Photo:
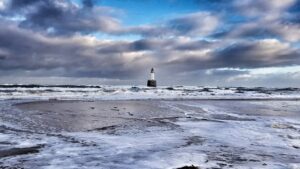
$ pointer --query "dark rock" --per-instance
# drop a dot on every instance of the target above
(115, 109)
(285, 89)
(105, 128)
(130, 114)
(20, 151)
(206, 90)
(254, 160)
(135, 89)
(109, 90)
(189, 167)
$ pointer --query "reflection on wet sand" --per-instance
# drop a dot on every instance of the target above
(151, 134)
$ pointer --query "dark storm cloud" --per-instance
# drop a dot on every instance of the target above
(250, 31)
(257, 54)
(2, 57)
(58, 17)
(159, 46)
(247, 54)
(262, 30)
(139, 45)
(145, 44)
(71, 56)
(28, 51)
(17, 4)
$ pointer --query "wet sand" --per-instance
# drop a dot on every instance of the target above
(74, 116)
(152, 134)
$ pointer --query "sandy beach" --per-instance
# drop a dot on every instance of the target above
(150, 134)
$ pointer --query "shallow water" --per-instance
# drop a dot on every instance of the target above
(150, 134)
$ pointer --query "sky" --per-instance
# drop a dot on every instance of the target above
(117, 42)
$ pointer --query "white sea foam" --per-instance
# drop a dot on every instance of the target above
(141, 92)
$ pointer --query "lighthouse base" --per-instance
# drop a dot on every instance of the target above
(151, 83)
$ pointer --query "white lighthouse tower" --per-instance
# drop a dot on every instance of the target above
(152, 81)
(152, 76)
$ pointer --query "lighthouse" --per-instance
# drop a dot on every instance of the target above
(151, 82)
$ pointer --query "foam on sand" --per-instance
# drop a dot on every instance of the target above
(151, 134)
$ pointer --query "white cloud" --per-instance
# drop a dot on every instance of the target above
(3, 4)
(272, 48)
(201, 23)
(263, 74)
(266, 9)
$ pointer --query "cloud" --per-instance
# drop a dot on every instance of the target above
(227, 72)
(77, 56)
(63, 17)
(85, 56)
(258, 53)
(273, 76)
(259, 8)
(3, 4)
(15, 4)
(55, 38)
(262, 29)
(263, 20)
(243, 54)
(194, 25)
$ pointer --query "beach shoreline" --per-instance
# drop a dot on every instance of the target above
(155, 133)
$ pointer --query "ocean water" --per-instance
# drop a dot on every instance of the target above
(71, 92)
